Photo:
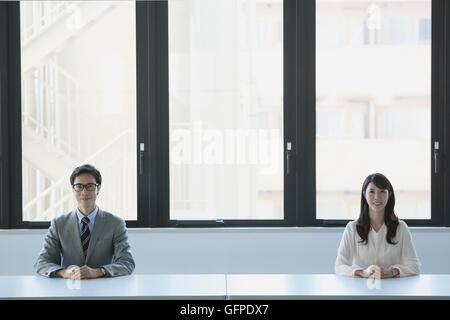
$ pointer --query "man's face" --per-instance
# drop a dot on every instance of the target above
(85, 198)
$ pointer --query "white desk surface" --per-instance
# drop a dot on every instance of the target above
(330, 286)
(221, 287)
(207, 286)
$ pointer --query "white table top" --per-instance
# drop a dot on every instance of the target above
(330, 286)
(207, 286)
(221, 287)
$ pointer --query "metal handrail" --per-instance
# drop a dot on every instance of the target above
(65, 178)
(44, 128)
(46, 20)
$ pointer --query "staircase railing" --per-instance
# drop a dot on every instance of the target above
(113, 162)
(48, 110)
(37, 16)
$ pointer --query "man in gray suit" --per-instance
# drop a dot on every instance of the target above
(87, 242)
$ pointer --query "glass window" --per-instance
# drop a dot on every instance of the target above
(78, 103)
(226, 109)
(425, 31)
(400, 31)
(373, 109)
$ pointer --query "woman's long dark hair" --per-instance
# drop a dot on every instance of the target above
(390, 219)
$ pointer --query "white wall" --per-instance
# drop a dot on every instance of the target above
(260, 250)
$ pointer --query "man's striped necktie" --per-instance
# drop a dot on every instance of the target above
(85, 235)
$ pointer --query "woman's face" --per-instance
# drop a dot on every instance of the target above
(376, 198)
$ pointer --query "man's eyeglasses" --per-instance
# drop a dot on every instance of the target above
(89, 187)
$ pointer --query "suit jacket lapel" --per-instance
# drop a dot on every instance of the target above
(96, 233)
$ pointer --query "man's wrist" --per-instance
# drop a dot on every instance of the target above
(60, 273)
(102, 272)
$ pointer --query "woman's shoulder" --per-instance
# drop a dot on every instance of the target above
(351, 225)
(402, 226)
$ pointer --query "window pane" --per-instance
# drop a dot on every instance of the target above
(373, 104)
(226, 109)
(78, 103)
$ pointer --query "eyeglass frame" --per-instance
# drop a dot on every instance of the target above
(85, 186)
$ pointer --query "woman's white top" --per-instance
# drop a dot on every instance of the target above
(353, 255)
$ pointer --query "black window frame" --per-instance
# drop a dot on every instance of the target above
(153, 120)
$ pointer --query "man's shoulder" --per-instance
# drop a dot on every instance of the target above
(64, 217)
(108, 216)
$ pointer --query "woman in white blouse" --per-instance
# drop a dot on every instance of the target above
(377, 244)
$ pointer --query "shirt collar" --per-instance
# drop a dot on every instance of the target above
(91, 216)
(380, 231)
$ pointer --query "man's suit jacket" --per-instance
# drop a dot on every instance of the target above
(108, 246)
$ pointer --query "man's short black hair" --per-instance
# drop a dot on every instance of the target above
(86, 168)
